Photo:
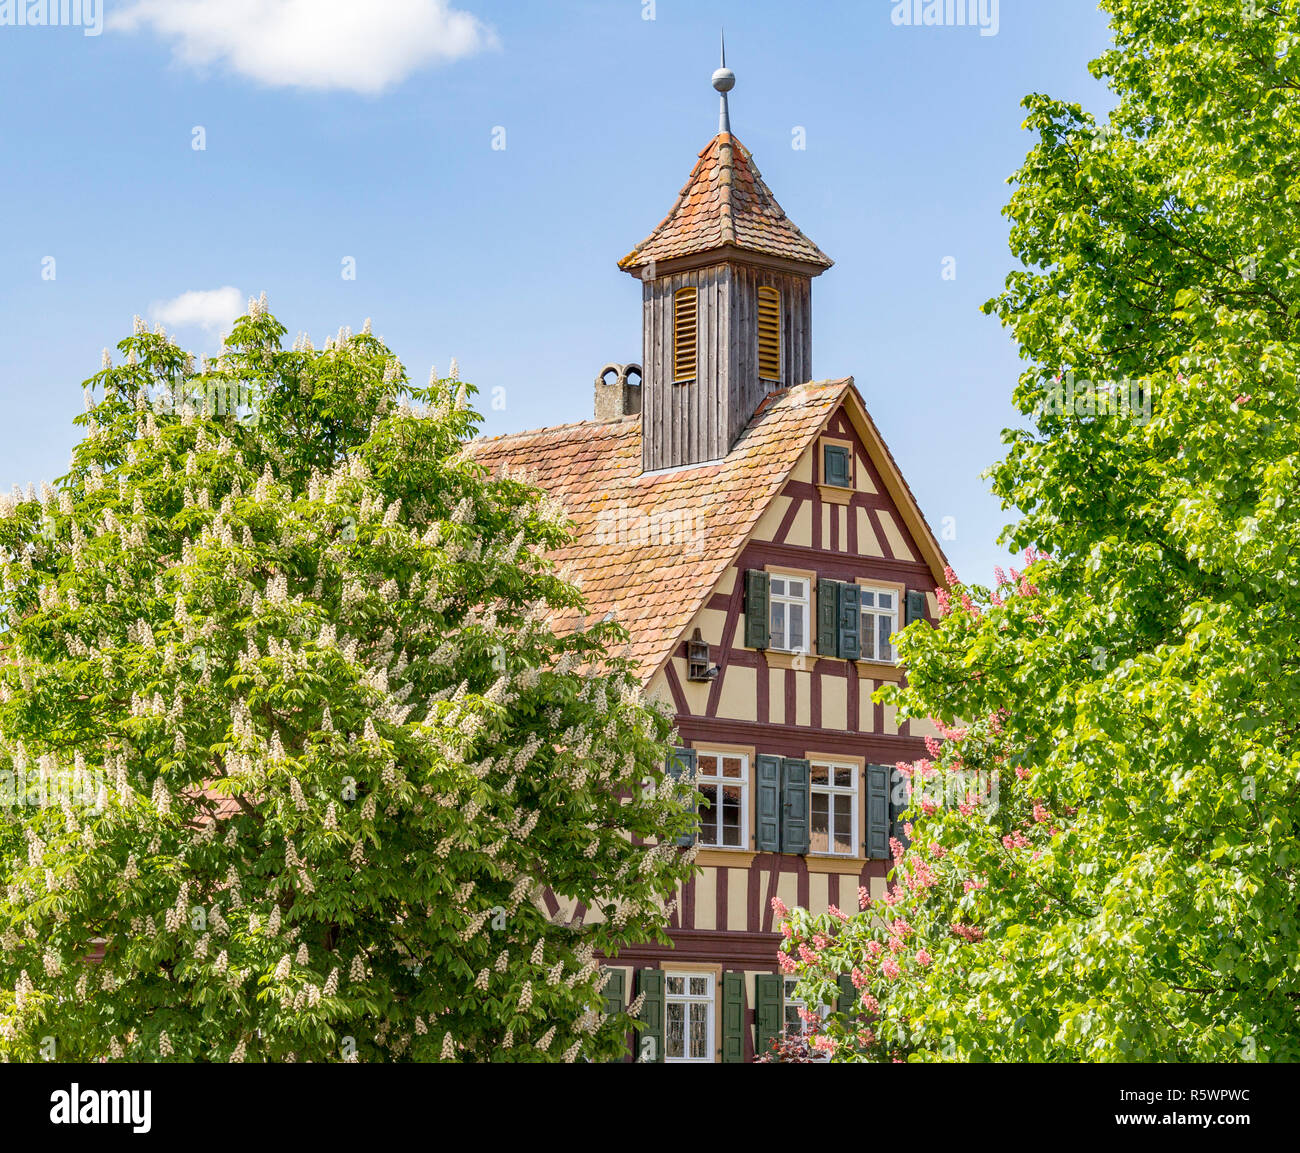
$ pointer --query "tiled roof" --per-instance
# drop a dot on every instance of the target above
(725, 202)
(652, 546)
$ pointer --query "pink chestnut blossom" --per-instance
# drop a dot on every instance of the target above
(923, 958)
(889, 968)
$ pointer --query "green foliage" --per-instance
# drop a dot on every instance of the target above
(1132, 895)
(309, 749)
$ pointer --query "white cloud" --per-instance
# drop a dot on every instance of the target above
(359, 45)
(212, 310)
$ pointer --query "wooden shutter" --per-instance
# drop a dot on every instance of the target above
(878, 812)
(844, 1002)
(769, 1011)
(900, 800)
(650, 1037)
(795, 790)
(769, 334)
(733, 1018)
(682, 761)
(828, 607)
(767, 833)
(849, 628)
(915, 606)
(685, 330)
(756, 609)
(613, 992)
(614, 1000)
(835, 465)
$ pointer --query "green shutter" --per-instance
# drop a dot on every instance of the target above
(613, 999)
(733, 1018)
(844, 1002)
(878, 812)
(900, 800)
(827, 614)
(756, 609)
(683, 761)
(915, 607)
(795, 773)
(850, 622)
(767, 835)
(650, 1037)
(835, 465)
(769, 1011)
(613, 992)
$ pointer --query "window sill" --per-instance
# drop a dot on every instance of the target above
(818, 863)
(780, 659)
(725, 858)
(879, 670)
(835, 494)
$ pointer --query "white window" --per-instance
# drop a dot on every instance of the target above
(833, 821)
(789, 631)
(796, 1028)
(688, 1017)
(723, 779)
(879, 623)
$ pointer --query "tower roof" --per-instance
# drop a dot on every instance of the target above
(725, 204)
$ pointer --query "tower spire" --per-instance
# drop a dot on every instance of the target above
(724, 80)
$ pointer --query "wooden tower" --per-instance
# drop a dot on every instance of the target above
(727, 305)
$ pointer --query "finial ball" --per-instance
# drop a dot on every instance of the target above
(724, 80)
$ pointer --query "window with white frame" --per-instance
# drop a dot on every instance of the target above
(796, 1028)
(833, 809)
(789, 608)
(723, 779)
(879, 623)
(688, 1017)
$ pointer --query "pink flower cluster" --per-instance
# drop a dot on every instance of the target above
(834, 911)
(786, 962)
(967, 932)
(889, 968)
(780, 909)
(1041, 814)
(807, 956)
(864, 898)
(923, 958)
(1016, 840)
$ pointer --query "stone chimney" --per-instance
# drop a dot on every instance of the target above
(620, 397)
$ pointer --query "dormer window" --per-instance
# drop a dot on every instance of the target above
(769, 334)
(685, 330)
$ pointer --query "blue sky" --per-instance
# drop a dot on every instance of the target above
(336, 129)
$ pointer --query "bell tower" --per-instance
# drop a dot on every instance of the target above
(726, 304)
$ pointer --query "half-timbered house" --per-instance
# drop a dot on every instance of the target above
(752, 530)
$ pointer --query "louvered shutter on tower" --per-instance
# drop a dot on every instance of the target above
(769, 334)
(685, 330)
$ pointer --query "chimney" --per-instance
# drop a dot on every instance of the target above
(620, 398)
